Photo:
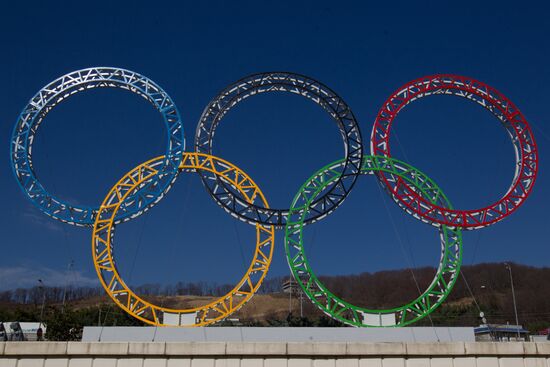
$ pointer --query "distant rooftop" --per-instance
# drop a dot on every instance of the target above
(503, 328)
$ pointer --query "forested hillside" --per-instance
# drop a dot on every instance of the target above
(481, 287)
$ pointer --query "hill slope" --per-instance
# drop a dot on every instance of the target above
(483, 287)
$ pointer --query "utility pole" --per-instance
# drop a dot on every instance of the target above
(301, 306)
(290, 296)
(43, 301)
(507, 265)
(69, 267)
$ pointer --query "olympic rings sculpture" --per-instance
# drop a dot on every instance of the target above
(235, 192)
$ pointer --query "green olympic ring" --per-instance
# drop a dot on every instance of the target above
(427, 302)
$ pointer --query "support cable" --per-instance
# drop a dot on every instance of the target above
(399, 240)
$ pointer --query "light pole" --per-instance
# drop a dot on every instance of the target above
(507, 265)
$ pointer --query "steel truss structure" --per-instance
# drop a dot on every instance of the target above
(502, 108)
(334, 306)
(302, 86)
(59, 90)
(236, 192)
(125, 298)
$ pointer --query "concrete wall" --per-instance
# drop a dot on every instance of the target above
(278, 334)
(238, 354)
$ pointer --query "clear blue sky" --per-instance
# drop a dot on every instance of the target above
(364, 50)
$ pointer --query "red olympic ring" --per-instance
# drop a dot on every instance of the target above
(492, 100)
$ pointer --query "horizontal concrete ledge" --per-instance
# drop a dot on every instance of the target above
(278, 334)
(289, 350)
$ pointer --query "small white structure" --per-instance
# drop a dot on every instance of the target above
(29, 329)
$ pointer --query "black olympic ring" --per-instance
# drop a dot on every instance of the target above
(230, 199)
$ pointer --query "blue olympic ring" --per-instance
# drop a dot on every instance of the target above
(60, 89)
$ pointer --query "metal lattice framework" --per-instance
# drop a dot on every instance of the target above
(125, 298)
(57, 91)
(502, 108)
(302, 86)
(335, 307)
(237, 193)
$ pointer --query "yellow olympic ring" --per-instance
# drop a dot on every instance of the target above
(102, 246)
